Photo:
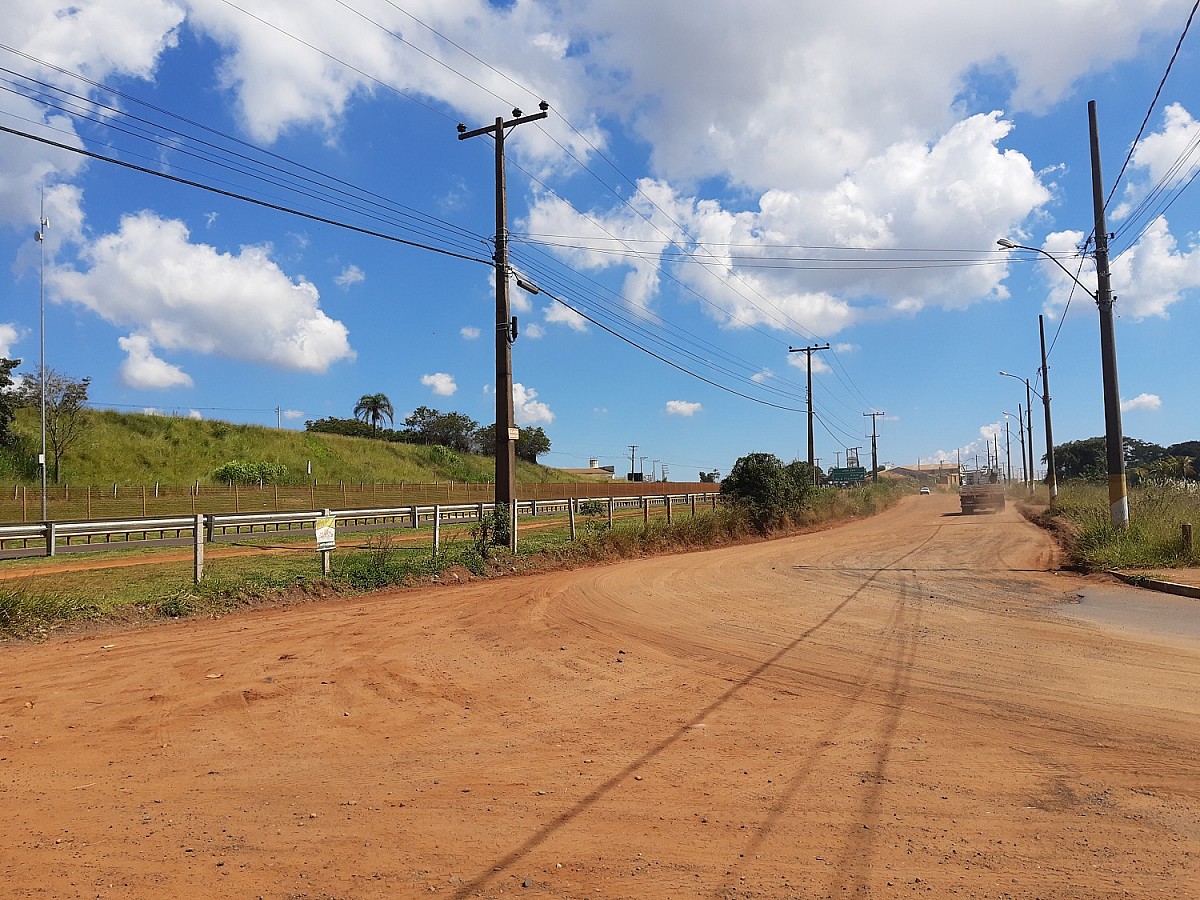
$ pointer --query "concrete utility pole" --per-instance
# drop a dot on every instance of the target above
(1029, 430)
(506, 430)
(808, 352)
(40, 236)
(1114, 440)
(1051, 477)
(874, 449)
(1021, 435)
(1008, 449)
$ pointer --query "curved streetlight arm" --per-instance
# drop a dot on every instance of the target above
(1012, 245)
(1032, 389)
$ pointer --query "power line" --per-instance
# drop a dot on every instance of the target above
(245, 199)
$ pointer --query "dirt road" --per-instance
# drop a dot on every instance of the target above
(893, 708)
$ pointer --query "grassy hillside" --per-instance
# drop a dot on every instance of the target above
(137, 449)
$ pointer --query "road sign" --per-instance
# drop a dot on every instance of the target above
(851, 475)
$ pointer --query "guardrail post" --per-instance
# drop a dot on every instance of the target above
(437, 528)
(50, 538)
(533, 508)
(610, 513)
(415, 517)
(692, 501)
(645, 510)
(667, 500)
(479, 515)
(198, 532)
(211, 530)
(571, 517)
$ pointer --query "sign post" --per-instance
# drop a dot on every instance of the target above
(326, 540)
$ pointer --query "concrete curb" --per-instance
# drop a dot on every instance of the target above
(1154, 584)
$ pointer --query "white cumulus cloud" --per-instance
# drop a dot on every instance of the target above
(527, 409)
(143, 370)
(185, 296)
(469, 332)
(1142, 401)
(9, 335)
(682, 408)
(440, 383)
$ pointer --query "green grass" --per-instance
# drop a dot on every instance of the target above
(1153, 539)
(163, 589)
(138, 449)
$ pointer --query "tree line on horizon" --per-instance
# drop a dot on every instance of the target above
(425, 425)
(1087, 460)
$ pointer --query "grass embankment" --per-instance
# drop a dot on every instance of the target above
(52, 600)
(1153, 539)
(138, 449)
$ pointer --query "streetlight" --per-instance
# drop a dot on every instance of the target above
(1028, 424)
(1020, 437)
(1118, 498)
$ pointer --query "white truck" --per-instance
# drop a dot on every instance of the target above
(981, 491)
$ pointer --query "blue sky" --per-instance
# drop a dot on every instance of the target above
(716, 183)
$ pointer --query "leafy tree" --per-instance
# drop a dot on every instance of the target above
(764, 488)
(66, 409)
(531, 442)
(453, 430)
(9, 401)
(1142, 453)
(374, 408)
(710, 477)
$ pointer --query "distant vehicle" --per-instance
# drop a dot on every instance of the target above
(924, 490)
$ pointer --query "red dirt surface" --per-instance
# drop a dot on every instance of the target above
(891, 708)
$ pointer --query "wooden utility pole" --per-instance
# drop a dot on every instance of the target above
(808, 352)
(506, 430)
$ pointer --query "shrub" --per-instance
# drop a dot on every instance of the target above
(251, 473)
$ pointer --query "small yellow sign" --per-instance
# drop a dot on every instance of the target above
(325, 532)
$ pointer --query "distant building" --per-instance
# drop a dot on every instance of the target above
(927, 473)
(594, 471)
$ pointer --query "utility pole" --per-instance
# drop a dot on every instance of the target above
(1008, 449)
(808, 352)
(1114, 441)
(632, 460)
(1029, 429)
(506, 430)
(1021, 435)
(838, 453)
(874, 449)
(1051, 477)
(43, 225)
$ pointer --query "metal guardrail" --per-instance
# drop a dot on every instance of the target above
(49, 538)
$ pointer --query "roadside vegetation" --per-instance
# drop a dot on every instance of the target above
(1158, 508)
(48, 601)
(139, 449)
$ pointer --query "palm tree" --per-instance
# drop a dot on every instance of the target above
(374, 408)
